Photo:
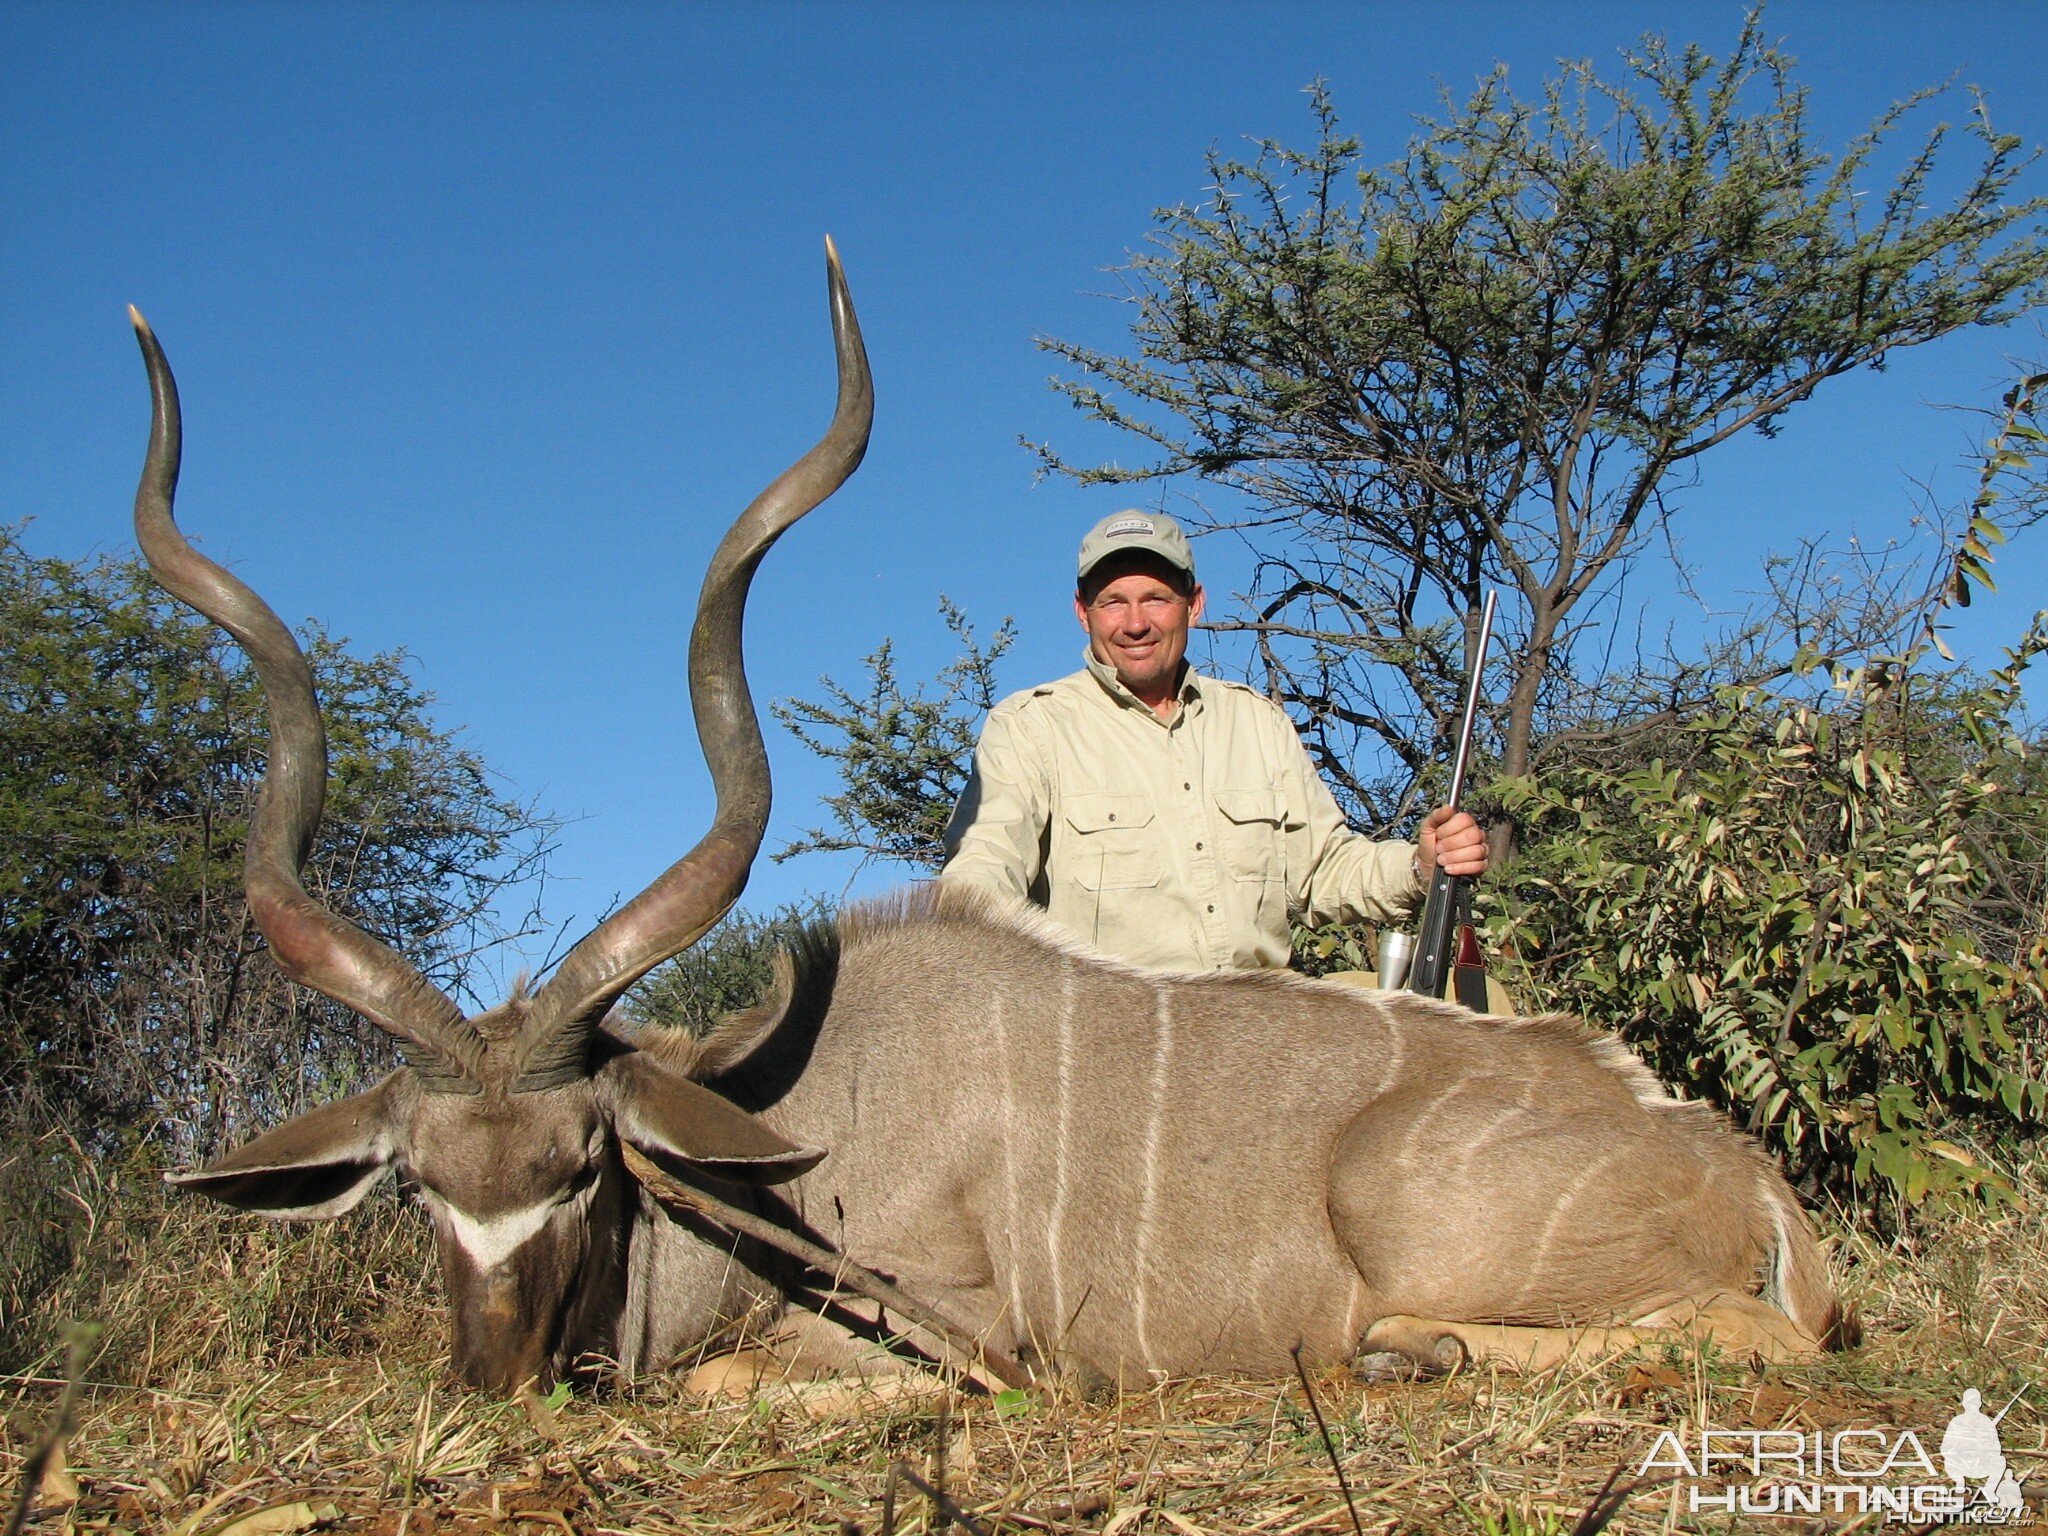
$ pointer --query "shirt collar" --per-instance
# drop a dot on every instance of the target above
(1190, 685)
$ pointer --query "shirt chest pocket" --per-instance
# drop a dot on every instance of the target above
(1249, 833)
(1112, 844)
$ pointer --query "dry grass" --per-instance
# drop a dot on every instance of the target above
(253, 1378)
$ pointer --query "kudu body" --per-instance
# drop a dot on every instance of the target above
(1080, 1162)
(1143, 1173)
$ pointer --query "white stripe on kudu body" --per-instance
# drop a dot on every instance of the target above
(1013, 1203)
(1420, 1136)
(1148, 1200)
(1560, 1213)
(1061, 1149)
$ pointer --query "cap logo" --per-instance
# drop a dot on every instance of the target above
(1124, 526)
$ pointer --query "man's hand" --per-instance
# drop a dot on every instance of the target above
(1455, 840)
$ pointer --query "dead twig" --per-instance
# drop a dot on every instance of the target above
(1329, 1444)
(941, 1500)
(38, 1461)
(1058, 1517)
(1606, 1504)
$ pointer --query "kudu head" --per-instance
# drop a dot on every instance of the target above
(510, 1121)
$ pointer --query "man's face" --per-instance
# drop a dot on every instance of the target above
(1137, 617)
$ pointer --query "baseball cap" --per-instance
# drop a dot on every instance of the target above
(1153, 532)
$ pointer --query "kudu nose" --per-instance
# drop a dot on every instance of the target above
(498, 1346)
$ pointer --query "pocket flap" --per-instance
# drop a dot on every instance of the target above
(1249, 805)
(1099, 813)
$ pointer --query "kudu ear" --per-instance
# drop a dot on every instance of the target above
(675, 1121)
(315, 1165)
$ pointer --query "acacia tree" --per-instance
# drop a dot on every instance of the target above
(1493, 359)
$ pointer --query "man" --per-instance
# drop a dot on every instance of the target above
(1168, 818)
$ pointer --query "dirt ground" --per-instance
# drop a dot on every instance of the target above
(252, 1379)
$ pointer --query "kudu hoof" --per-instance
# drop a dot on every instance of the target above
(1383, 1367)
(1407, 1349)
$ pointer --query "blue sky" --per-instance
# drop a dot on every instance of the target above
(488, 317)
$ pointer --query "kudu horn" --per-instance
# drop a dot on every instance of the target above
(311, 945)
(673, 913)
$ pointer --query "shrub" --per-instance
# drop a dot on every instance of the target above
(1822, 914)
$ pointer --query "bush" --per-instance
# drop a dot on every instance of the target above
(1822, 915)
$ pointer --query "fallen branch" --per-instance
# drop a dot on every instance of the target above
(942, 1502)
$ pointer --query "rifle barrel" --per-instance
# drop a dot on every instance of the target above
(1471, 711)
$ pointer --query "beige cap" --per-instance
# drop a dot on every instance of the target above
(1153, 532)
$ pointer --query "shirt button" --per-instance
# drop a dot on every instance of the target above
(1212, 906)
(1198, 847)
(1187, 786)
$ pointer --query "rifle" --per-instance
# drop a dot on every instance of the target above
(1434, 955)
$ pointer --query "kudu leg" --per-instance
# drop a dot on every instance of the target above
(761, 1373)
(1735, 1324)
(1479, 1198)
(827, 1370)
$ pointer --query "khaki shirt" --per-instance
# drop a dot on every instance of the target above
(1178, 844)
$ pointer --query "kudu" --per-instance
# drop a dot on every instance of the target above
(1083, 1164)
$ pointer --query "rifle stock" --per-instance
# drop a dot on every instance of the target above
(1426, 972)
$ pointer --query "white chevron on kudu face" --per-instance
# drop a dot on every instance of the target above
(490, 1240)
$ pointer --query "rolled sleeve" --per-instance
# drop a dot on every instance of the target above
(1347, 877)
(996, 838)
